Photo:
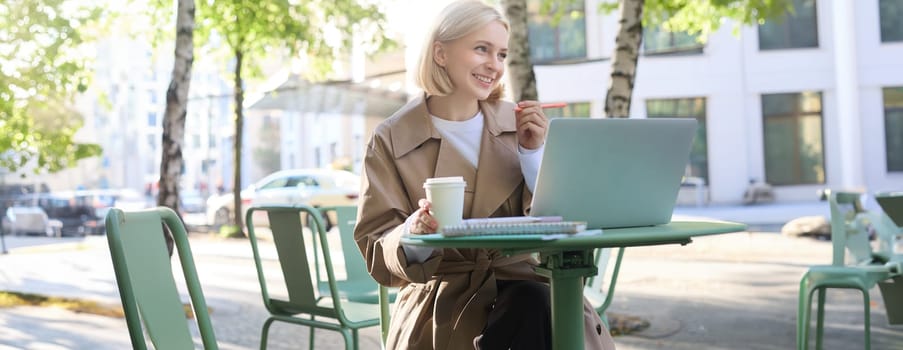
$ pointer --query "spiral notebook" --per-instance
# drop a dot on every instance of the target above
(518, 225)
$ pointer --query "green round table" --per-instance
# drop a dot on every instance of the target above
(567, 261)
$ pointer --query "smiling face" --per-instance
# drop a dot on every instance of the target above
(475, 62)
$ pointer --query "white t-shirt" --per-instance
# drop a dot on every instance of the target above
(466, 135)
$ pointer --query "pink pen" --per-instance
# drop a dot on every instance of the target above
(545, 105)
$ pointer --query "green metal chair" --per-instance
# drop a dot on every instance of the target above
(146, 283)
(305, 301)
(358, 285)
(849, 232)
(892, 204)
(599, 294)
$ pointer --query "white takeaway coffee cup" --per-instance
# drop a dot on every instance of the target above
(446, 194)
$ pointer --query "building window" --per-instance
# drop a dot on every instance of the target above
(794, 152)
(891, 13)
(797, 29)
(572, 110)
(563, 40)
(687, 108)
(318, 157)
(207, 166)
(151, 119)
(152, 141)
(893, 128)
(153, 96)
(659, 41)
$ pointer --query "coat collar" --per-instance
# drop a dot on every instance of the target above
(413, 126)
(498, 174)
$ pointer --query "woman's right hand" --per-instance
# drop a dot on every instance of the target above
(421, 221)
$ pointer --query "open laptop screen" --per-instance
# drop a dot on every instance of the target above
(613, 172)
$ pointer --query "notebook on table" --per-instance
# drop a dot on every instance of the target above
(613, 173)
(518, 225)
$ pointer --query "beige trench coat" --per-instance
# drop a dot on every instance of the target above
(444, 301)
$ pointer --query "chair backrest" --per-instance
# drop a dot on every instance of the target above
(596, 290)
(295, 258)
(886, 232)
(852, 227)
(146, 283)
(355, 266)
(602, 256)
(849, 228)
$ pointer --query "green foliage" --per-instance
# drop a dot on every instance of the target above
(319, 30)
(43, 64)
(230, 231)
(703, 17)
(9, 299)
(314, 31)
(560, 8)
(45, 136)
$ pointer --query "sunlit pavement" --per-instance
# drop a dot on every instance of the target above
(81, 268)
(733, 291)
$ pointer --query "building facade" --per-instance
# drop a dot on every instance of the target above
(123, 113)
(810, 102)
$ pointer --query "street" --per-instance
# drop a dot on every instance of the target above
(733, 291)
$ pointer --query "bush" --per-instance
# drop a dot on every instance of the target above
(230, 231)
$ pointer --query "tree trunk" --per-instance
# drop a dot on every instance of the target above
(520, 68)
(624, 59)
(171, 162)
(239, 126)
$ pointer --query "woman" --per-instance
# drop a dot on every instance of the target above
(459, 298)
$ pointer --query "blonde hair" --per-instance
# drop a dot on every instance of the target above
(457, 20)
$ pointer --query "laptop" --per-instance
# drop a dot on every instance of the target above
(613, 172)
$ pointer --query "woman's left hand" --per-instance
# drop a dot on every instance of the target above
(532, 124)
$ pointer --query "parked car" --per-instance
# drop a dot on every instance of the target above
(102, 201)
(192, 208)
(67, 208)
(21, 220)
(191, 202)
(315, 187)
(82, 212)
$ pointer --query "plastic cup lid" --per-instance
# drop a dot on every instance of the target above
(451, 180)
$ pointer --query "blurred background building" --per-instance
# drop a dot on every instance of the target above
(808, 102)
(813, 101)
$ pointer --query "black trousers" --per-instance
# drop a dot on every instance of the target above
(520, 318)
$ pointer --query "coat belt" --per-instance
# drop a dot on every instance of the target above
(473, 299)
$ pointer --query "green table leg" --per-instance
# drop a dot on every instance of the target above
(566, 271)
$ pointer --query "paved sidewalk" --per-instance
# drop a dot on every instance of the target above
(765, 217)
(734, 291)
(84, 270)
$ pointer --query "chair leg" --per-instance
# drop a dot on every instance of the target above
(346, 335)
(868, 330)
(264, 333)
(802, 314)
(357, 343)
(312, 329)
(820, 318)
(804, 337)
